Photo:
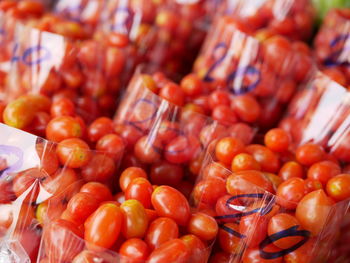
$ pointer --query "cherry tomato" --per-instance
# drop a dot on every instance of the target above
(112, 145)
(277, 140)
(62, 107)
(208, 191)
(224, 114)
(323, 171)
(81, 206)
(254, 228)
(97, 190)
(246, 107)
(135, 220)
(140, 189)
(73, 153)
(281, 222)
(248, 182)
(338, 187)
(169, 202)
(173, 93)
(160, 231)
(227, 148)
(174, 250)
(63, 127)
(313, 210)
(128, 175)
(309, 153)
(203, 226)
(63, 240)
(166, 173)
(181, 149)
(244, 162)
(97, 235)
(48, 157)
(100, 168)
(302, 254)
(148, 151)
(191, 85)
(219, 97)
(290, 192)
(291, 169)
(133, 250)
(252, 255)
(99, 128)
(198, 251)
(229, 239)
(267, 159)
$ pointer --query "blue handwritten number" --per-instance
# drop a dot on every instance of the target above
(242, 72)
(332, 59)
(289, 232)
(27, 54)
(208, 77)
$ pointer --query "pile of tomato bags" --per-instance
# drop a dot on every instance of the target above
(187, 131)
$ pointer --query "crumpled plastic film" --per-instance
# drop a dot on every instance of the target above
(265, 72)
(35, 172)
(244, 211)
(332, 46)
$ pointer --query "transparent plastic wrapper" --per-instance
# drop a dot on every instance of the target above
(160, 133)
(259, 75)
(319, 113)
(332, 46)
(291, 18)
(257, 225)
(88, 72)
(33, 171)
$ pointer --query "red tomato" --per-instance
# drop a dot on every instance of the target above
(97, 235)
(97, 190)
(247, 108)
(248, 182)
(48, 158)
(254, 228)
(63, 240)
(192, 85)
(169, 202)
(173, 93)
(166, 173)
(338, 187)
(135, 220)
(323, 171)
(265, 157)
(73, 153)
(203, 226)
(112, 145)
(309, 154)
(133, 250)
(63, 127)
(208, 191)
(199, 253)
(174, 250)
(244, 162)
(291, 169)
(99, 128)
(281, 222)
(140, 189)
(229, 239)
(313, 210)
(148, 151)
(128, 175)
(160, 231)
(100, 168)
(290, 192)
(62, 107)
(252, 255)
(227, 148)
(81, 206)
(304, 254)
(277, 140)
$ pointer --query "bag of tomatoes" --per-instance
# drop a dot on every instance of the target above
(35, 171)
(162, 134)
(332, 46)
(258, 72)
(272, 204)
(88, 72)
(141, 222)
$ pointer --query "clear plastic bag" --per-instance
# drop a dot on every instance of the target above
(253, 221)
(158, 130)
(332, 46)
(291, 18)
(90, 73)
(35, 172)
(266, 71)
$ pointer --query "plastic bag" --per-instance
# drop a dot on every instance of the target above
(90, 72)
(159, 132)
(265, 73)
(256, 224)
(34, 171)
(332, 46)
(291, 18)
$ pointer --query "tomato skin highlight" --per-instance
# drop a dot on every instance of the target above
(172, 251)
